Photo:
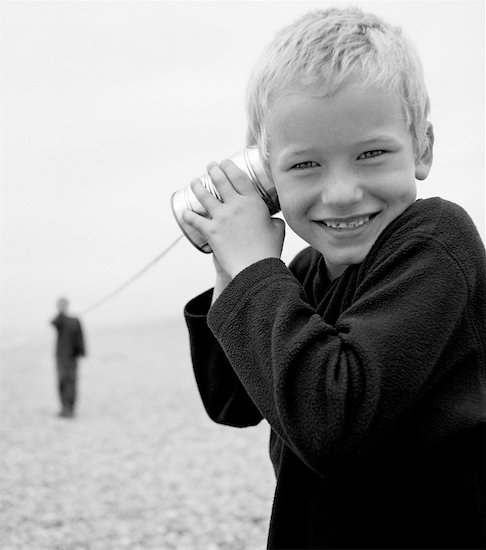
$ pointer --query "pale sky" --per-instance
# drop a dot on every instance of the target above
(107, 108)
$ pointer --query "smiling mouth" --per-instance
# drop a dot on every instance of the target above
(348, 224)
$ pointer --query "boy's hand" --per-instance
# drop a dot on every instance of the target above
(239, 229)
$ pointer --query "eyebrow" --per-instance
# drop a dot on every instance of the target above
(373, 139)
(289, 153)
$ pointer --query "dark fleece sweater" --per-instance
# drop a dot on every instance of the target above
(373, 384)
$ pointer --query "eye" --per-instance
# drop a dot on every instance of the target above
(304, 165)
(371, 154)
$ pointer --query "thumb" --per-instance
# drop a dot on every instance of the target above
(279, 227)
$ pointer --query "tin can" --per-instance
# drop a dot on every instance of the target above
(249, 161)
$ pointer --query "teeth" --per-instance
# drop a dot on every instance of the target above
(352, 224)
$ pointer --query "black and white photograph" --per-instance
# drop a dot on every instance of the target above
(243, 275)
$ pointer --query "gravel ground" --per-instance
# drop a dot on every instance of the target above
(140, 467)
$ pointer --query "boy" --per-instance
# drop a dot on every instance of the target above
(366, 356)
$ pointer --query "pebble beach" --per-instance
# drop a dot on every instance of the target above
(140, 467)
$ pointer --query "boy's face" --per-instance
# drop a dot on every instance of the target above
(344, 168)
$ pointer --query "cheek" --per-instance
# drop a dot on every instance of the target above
(295, 211)
(395, 185)
(405, 190)
(291, 201)
(297, 201)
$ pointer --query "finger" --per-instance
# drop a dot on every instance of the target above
(207, 200)
(223, 185)
(240, 180)
(196, 221)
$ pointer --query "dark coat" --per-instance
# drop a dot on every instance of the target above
(70, 339)
(373, 385)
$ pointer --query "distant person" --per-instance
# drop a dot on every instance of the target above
(70, 346)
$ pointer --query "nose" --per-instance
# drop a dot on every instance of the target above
(341, 188)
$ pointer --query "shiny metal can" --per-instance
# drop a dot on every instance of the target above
(249, 161)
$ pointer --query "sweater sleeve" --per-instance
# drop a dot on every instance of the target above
(224, 397)
(334, 390)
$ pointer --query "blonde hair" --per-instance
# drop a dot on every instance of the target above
(324, 47)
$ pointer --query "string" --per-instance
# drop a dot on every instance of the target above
(133, 278)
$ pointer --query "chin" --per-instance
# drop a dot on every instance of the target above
(345, 260)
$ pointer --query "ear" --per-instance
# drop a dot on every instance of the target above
(424, 163)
